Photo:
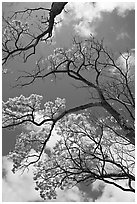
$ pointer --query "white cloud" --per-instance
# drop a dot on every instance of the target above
(97, 185)
(121, 7)
(53, 139)
(70, 195)
(83, 28)
(126, 62)
(54, 136)
(18, 187)
(130, 67)
(114, 194)
(89, 14)
(122, 35)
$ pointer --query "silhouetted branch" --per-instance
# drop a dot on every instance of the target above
(8, 51)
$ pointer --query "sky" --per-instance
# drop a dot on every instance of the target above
(113, 21)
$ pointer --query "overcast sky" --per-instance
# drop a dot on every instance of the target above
(113, 21)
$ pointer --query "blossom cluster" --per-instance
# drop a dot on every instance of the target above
(80, 154)
(87, 149)
(14, 29)
(20, 108)
(52, 109)
(71, 156)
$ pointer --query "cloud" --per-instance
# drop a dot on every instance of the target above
(84, 28)
(17, 187)
(121, 7)
(126, 62)
(70, 195)
(121, 61)
(88, 14)
(124, 7)
(39, 129)
(122, 36)
(113, 194)
(20, 187)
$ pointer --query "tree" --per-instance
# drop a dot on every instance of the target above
(92, 146)
(20, 37)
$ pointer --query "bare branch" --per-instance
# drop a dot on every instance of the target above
(56, 9)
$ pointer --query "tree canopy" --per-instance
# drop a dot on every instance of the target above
(96, 139)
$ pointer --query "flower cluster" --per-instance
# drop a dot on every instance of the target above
(70, 160)
(20, 108)
(80, 154)
(52, 109)
(22, 103)
(25, 143)
(88, 149)
(14, 29)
